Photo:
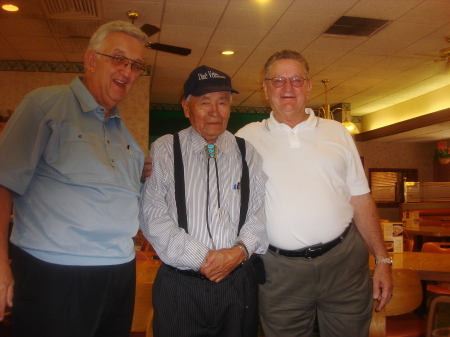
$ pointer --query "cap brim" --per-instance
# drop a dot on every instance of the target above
(207, 90)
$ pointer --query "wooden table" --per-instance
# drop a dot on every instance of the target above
(437, 231)
(429, 266)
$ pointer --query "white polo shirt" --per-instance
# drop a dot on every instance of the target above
(314, 169)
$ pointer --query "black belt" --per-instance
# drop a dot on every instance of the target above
(188, 272)
(312, 251)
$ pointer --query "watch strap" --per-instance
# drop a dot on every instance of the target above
(387, 260)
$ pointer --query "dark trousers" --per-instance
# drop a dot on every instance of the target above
(53, 300)
(186, 306)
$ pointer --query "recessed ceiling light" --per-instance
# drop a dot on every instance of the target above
(228, 52)
(10, 8)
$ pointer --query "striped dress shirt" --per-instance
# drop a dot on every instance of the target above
(158, 216)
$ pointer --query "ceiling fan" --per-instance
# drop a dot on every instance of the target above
(150, 30)
(444, 56)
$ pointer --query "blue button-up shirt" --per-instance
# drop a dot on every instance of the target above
(75, 177)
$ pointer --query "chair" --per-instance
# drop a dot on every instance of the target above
(146, 245)
(435, 310)
(147, 256)
(143, 309)
(408, 245)
(437, 247)
(407, 296)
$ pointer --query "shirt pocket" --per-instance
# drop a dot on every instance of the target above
(81, 152)
(133, 169)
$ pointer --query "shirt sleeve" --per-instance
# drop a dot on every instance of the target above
(253, 232)
(22, 144)
(356, 178)
(173, 245)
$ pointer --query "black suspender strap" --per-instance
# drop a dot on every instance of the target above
(245, 184)
(180, 196)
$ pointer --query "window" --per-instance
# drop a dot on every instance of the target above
(387, 184)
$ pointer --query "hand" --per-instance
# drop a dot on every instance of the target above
(147, 171)
(219, 263)
(6, 288)
(382, 284)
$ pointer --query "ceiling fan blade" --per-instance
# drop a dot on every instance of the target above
(429, 55)
(421, 65)
(150, 30)
(168, 49)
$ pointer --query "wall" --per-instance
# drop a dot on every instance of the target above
(135, 108)
(397, 155)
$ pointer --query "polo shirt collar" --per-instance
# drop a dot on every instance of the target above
(198, 142)
(86, 100)
(312, 121)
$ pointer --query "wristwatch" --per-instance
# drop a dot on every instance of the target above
(244, 249)
(387, 260)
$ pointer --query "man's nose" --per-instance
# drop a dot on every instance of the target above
(288, 86)
(126, 70)
(214, 110)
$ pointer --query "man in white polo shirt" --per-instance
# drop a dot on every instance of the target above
(317, 260)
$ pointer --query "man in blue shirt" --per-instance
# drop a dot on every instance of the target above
(73, 171)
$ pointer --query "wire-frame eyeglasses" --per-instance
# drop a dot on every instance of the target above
(278, 82)
(120, 60)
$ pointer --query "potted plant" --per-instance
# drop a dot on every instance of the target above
(442, 154)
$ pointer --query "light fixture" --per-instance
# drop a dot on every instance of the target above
(227, 52)
(352, 128)
(10, 8)
(324, 112)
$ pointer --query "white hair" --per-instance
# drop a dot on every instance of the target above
(96, 41)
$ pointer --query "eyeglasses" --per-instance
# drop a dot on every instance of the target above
(119, 60)
(279, 82)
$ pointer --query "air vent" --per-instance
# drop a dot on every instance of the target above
(353, 26)
(72, 9)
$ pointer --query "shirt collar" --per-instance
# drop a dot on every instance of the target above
(87, 101)
(312, 121)
(198, 142)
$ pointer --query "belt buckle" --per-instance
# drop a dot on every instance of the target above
(313, 251)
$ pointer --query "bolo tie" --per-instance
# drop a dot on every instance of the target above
(211, 153)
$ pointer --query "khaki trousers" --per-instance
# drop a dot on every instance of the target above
(336, 285)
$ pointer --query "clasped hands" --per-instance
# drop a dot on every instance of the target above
(219, 263)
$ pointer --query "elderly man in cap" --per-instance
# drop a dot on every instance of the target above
(203, 211)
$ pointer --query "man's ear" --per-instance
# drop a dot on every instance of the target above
(265, 89)
(185, 105)
(90, 60)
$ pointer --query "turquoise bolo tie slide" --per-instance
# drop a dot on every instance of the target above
(211, 151)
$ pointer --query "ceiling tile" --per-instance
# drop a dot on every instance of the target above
(234, 37)
(323, 7)
(429, 13)
(25, 27)
(241, 18)
(185, 35)
(383, 9)
(192, 15)
(33, 43)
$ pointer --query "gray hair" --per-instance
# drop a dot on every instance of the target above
(285, 55)
(96, 41)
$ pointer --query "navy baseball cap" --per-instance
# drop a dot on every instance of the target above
(204, 80)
